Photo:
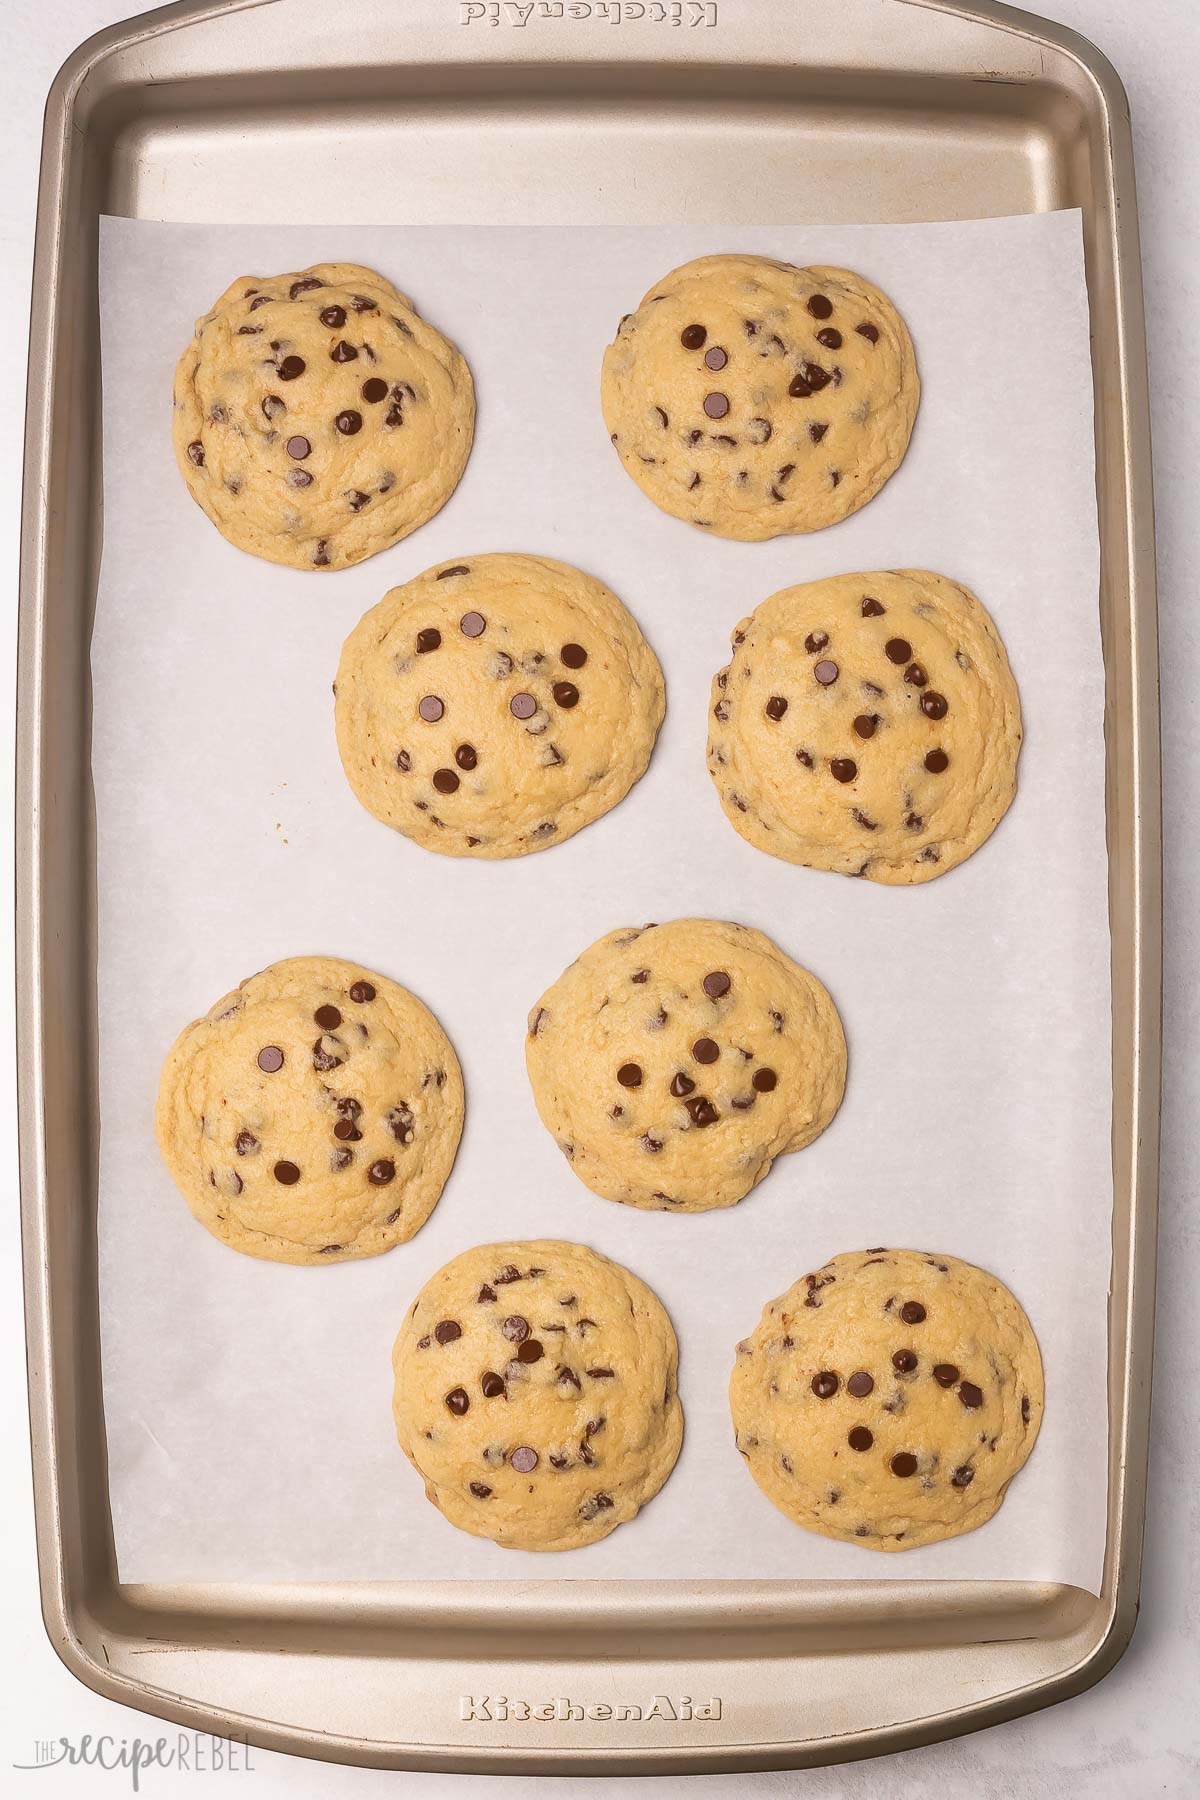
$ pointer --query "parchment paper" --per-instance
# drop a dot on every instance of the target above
(248, 1405)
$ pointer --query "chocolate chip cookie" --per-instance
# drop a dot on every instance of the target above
(673, 1063)
(536, 1394)
(318, 418)
(889, 1398)
(867, 724)
(313, 1114)
(755, 399)
(496, 705)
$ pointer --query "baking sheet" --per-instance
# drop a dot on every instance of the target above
(248, 1405)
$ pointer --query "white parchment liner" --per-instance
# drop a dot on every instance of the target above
(248, 1405)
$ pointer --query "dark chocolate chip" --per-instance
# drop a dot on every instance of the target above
(820, 306)
(333, 316)
(825, 1384)
(524, 1459)
(871, 608)
(903, 1463)
(865, 725)
(348, 422)
(706, 1050)
(826, 671)
(915, 675)
(716, 405)
(716, 983)
(522, 706)
(458, 1401)
(445, 781)
(327, 1017)
(692, 337)
(466, 758)
(937, 762)
(830, 337)
(859, 1438)
(290, 367)
(381, 1172)
(431, 709)
(374, 390)
(447, 1331)
(566, 694)
(530, 1351)
(573, 655)
(869, 332)
(287, 1173)
(970, 1395)
(963, 1476)
(945, 1374)
(843, 768)
(195, 452)
(270, 1059)
(246, 1143)
(897, 650)
(904, 1361)
(515, 1328)
(912, 1312)
(492, 1385)
(361, 992)
(630, 1075)
(934, 705)
(860, 1384)
(681, 1085)
(763, 1081)
(429, 639)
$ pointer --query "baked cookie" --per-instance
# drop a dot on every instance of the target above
(496, 705)
(318, 418)
(888, 1399)
(313, 1114)
(674, 1063)
(755, 399)
(536, 1394)
(868, 724)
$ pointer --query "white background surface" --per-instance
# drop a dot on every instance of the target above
(1137, 1733)
(1003, 1083)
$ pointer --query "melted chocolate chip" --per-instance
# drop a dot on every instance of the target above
(524, 1459)
(869, 332)
(681, 1085)
(860, 1384)
(195, 452)
(865, 725)
(445, 781)
(937, 762)
(970, 1395)
(348, 422)
(573, 655)
(820, 306)
(962, 1477)
(776, 707)
(630, 1075)
(530, 1351)
(825, 1384)
(871, 608)
(912, 1312)
(522, 706)
(915, 675)
(374, 390)
(246, 1143)
(515, 1328)
(692, 337)
(897, 650)
(381, 1172)
(327, 1017)
(270, 1059)
(843, 768)
(705, 1050)
(717, 983)
(826, 672)
(859, 1438)
(431, 709)
(566, 694)
(492, 1385)
(287, 1173)
(447, 1331)
(763, 1081)
(903, 1463)
(701, 1110)
(290, 368)
(904, 1361)
(361, 992)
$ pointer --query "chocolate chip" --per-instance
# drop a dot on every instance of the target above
(937, 762)
(817, 432)
(970, 1395)
(327, 1017)
(361, 304)
(361, 992)
(717, 983)
(246, 1143)
(860, 1384)
(573, 655)
(323, 1059)
(472, 624)
(458, 1401)
(270, 1059)
(915, 675)
(871, 608)
(522, 706)
(530, 1351)
(962, 1477)
(826, 672)
(524, 1459)
(816, 640)
(481, 1490)
(348, 422)
(820, 306)
(904, 1361)
(692, 337)
(290, 367)
(831, 338)
(299, 478)
(897, 650)
(701, 1110)
(431, 709)
(374, 390)
(912, 1312)
(814, 375)
(403, 761)
(934, 705)
(865, 725)
(381, 1172)
(287, 1173)
(333, 316)
(566, 694)
(869, 332)
(715, 358)
(799, 389)
(859, 1438)
(903, 1463)
(447, 1331)
(343, 352)
(776, 707)
(945, 1374)
(321, 553)
(681, 1085)
(466, 758)
(705, 1050)
(492, 1385)
(630, 1075)
(303, 286)
(763, 1081)
(347, 1131)
(445, 781)
(195, 452)
(716, 405)
(825, 1384)
(843, 768)
(599, 1374)
(515, 1328)
(429, 639)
